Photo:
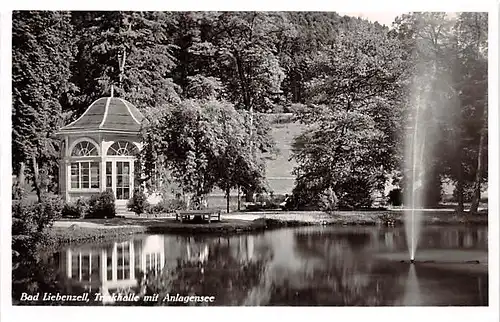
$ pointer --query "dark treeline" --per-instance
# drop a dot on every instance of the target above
(350, 80)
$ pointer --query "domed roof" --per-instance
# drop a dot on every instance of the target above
(108, 114)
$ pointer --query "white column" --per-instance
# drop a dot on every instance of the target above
(131, 177)
(250, 246)
(162, 258)
(90, 266)
(67, 164)
(143, 259)
(68, 263)
(114, 268)
(79, 266)
(113, 177)
(104, 268)
(102, 173)
(67, 167)
(132, 261)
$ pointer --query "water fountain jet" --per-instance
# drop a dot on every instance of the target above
(416, 150)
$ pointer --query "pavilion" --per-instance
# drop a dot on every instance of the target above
(98, 151)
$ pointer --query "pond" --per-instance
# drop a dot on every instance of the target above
(329, 266)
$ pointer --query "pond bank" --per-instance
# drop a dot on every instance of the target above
(82, 230)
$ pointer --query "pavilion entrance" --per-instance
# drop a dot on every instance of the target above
(120, 170)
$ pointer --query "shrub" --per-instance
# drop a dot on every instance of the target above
(71, 210)
(329, 200)
(354, 193)
(311, 195)
(395, 197)
(432, 192)
(139, 202)
(167, 206)
(30, 221)
(102, 205)
(305, 196)
(77, 209)
(266, 202)
(468, 193)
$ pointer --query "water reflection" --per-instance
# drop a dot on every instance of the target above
(301, 266)
(412, 289)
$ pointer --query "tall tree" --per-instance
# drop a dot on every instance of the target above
(204, 143)
(434, 107)
(354, 109)
(41, 56)
(237, 166)
(472, 29)
(132, 51)
(239, 50)
(304, 34)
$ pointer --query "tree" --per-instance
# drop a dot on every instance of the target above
(300, 39)
(238, 48)
(132, 51)
(41, 55)
(203, 144)
(472, 31)
(238, 167)
(354, 122)
(450, 75)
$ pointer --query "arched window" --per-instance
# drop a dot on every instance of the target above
(123, 148)
(84, 149)
(85, 174)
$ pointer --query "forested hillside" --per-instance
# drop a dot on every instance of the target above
(351, 83)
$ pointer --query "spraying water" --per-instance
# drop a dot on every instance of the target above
(416, 156)
(414, 187)
(419, 152)
(412, 218)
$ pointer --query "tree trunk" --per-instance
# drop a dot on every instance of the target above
(239, 202)
(249, 196)
(460, 183)
(243, 81)
(460, 194)
(19, 186)
(36, 182)
(228, 195)
(479, 172)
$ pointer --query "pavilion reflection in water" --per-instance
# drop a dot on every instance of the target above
(110, 268)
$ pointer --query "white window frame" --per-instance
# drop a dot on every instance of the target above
(80, 162)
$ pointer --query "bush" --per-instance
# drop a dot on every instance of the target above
(432, 192)
(167, 206)
(468, 193)
(102, 205)
(266, 202)
(139, 202)
(395, 197)
(30, 221)
(78, 209)
(71, 210)
(350, 194)
(329, 200)
(305, 196)
(354, 193)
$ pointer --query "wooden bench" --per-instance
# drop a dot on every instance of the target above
(204, 214)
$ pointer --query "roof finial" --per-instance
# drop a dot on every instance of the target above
(112, 89)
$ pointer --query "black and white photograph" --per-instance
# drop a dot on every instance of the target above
(250, 158)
